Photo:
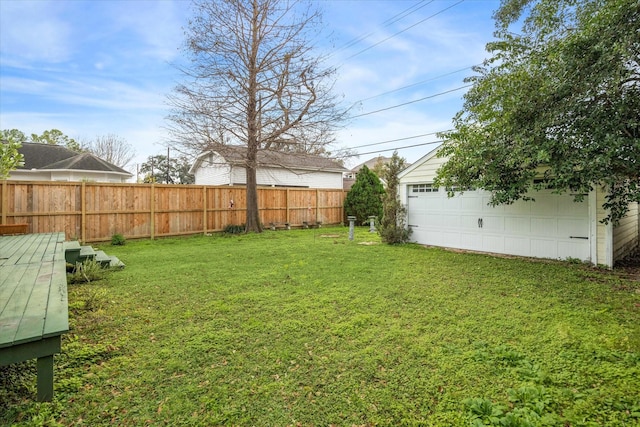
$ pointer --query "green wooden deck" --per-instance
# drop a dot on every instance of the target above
(33, 302)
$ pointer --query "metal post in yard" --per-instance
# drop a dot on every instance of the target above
(372, 226)
(352, 220)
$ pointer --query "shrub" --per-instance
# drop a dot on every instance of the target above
(118, 240)
(392, 228)
(365, 197)
(234, 229)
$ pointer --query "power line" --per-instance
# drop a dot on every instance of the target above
(412, 102)
(415, 84)
(400, 139)
(396, 148)
(406, 29)
(385, 24)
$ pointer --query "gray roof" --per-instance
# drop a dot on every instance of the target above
(371, 163)
(57, 157)
(237, 156)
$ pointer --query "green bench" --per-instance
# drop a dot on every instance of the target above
(33, 303)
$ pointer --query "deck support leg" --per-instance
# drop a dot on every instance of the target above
(45, 378)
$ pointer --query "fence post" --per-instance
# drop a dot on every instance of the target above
(204, 209)
(5, 201)
(83, 212)
(287, 208)
(153, 211)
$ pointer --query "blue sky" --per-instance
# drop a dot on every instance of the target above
(99, 67)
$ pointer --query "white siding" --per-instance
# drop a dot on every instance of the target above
(290, 178)
(67, 175)
(424, 170)
(212, 170)
(212, 175)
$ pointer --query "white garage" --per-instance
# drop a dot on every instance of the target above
(554, 226)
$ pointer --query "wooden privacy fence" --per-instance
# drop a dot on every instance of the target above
(92, 212)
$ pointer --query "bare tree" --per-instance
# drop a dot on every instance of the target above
(253, 81)
(112, 148)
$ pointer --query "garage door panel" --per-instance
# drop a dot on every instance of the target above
(517, 225)
(471, 241)
(572, 249)
(573, 227)
(449, 239)
(517, 246)
(470, 202)
(493, 243)
(545, 205)
(544, 227)
(544, 248)
(567, 207)
(450, 203)
(493, 223)
(469, 222)
(519, 207)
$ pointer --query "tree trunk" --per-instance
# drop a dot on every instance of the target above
(253, 142)
(253, 223)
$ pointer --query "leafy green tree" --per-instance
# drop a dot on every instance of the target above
(10, 158)
(365, 197)
(174, 171)
(392, 227)
(13, 135)
(56, 137)
(557, 105)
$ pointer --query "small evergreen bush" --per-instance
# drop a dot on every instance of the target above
(365, 197)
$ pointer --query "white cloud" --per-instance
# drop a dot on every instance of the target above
(33, 30)
(157, 24)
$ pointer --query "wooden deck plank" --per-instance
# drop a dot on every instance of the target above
(36, 251)
(8, 246)
(22, 254)
(18, 294)
(35, 311)
(57, 318)
(11, 276)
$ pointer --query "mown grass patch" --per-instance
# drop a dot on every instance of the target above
(296, 328)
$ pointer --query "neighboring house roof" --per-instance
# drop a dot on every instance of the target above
(371, 163)
(56, 157)
(237, 156)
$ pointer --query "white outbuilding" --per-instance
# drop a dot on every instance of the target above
(227, 166)
(553, 226)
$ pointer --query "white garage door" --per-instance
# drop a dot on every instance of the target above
(554, 226)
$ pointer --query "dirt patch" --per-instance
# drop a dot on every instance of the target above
(330, 236)
(369, 243)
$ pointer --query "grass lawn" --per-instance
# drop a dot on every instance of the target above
(307, 328)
